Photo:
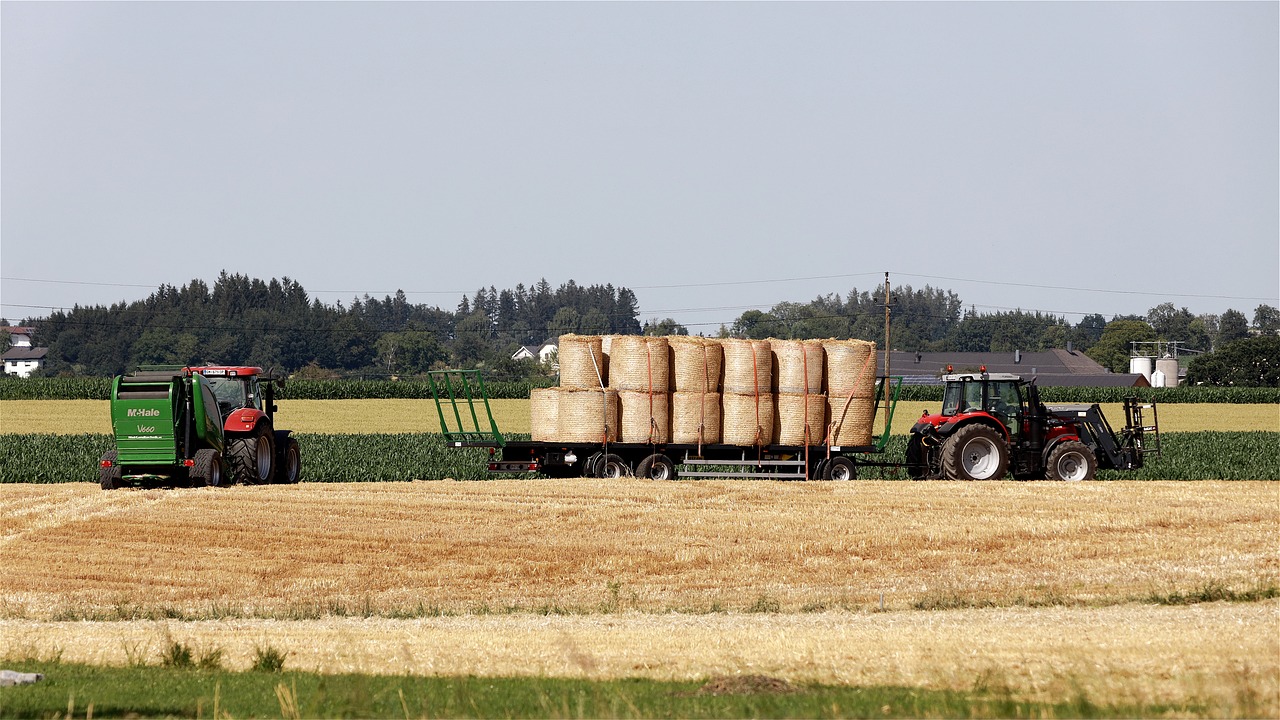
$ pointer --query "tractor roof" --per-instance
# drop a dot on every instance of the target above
(980, 376)
(226, 370)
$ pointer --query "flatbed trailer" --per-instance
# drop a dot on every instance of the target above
(466, 420)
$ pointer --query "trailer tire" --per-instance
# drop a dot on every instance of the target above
(206, 468)
(253, 457)
(1071, 461)
(109, 477)
(840, 468)
(612, 466)
(591, 466)
(656, 467)
(818, 470)
(289, 463)
(975, 452)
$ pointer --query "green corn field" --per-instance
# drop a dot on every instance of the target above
(425, 456)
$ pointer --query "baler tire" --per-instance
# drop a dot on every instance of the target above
(109, 477)
(1071, 461)
(975, 452)
(656, 467)
(289, 464)
(206, 468)
(251, 464)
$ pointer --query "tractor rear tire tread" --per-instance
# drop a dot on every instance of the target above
(243, 453)
(975, 452)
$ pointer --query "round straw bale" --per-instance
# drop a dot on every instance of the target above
(695, 417)
(544, 407)
(582, 362)
(589, 415)
(850, 420)
(638, 362)
(748, 366)
(747, 419)
(644, 417)
(798, 366)
(851, 368)
(795, 412)
(696, 364)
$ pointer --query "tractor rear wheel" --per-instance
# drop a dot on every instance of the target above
(253, 457)
(109, 475)
(1071, 461)
(975, 452)
(206, 468)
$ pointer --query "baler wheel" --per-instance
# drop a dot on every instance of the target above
(109, 476)
(206, 468)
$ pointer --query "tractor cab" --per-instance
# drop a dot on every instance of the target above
(999, 395)
(239, 388)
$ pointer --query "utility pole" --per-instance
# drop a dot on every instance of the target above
(885, 384)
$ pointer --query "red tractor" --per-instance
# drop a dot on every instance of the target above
(993, 425)
(256, 451)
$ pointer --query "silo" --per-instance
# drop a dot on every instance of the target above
(1168, 366)
(1142, 366)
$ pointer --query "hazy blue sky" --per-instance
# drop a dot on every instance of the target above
(1071, 157)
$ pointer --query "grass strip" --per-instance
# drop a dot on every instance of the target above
(70, 690)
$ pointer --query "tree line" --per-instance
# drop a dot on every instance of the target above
(276, 324)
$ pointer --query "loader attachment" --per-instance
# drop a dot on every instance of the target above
(460, 424)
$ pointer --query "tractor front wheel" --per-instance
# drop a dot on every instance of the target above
(975, 452)
(1071, 461)
(253, 457)
(289, 464)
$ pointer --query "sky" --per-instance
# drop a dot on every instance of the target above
(1062, 157)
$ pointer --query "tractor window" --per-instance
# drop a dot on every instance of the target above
(230, 393)
(962, 397)
(1003, 401)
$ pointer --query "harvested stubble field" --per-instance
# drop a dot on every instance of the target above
(1047, 589)
(512, 416)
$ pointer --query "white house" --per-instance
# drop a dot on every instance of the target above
(21, 359)
(544, 353)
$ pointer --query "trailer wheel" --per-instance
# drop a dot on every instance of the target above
(109, 476)
(841, 468)
(206, 468)
(612, 466)
(591, 466)
(975, 452)
(656, 467)
(253, 458)
(818, 470)
(1071, 460)
(289, 464)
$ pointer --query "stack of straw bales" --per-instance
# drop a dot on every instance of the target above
(748, 401)
(696, 366)
(640, 371)
(694, 390)
(851, 385)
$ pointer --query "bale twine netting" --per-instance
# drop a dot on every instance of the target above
(695, 417)
(645, 417)
(801, 419)
(851, 368)
(798, 366)
(696, 364)
(638, 362)
(583, 364)
(748, 367)
(587, 415)
(850, 419)
(544, 409)
(747, 419)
